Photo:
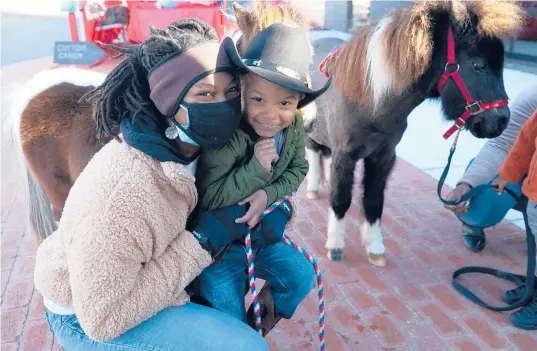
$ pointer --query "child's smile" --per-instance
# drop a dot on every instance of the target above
(258, 120)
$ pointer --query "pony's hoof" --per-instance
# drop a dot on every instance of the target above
(378, 260)
(312, 195)
(335, 254)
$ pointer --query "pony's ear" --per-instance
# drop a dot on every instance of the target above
(241, 14)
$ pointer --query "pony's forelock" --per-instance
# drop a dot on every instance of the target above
(497, 19)
(263, 14)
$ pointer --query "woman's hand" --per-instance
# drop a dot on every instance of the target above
(455, 195)
(500, 183)
(266, 152)
(258, 204)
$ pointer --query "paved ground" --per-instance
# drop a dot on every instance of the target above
(407, 305)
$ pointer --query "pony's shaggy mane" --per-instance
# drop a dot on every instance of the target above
(396, 51)
(263, 15)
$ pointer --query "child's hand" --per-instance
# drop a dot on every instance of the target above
(500, 183)
(258, 204)
(266, 152)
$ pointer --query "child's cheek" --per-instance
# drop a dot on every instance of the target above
(251, 111)
(289, 117)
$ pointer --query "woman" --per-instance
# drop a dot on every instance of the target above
(113, 275)
(485, 166)
(482, 170)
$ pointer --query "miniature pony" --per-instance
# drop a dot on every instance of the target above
(381, 74)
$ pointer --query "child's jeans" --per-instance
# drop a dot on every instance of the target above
(224, 284)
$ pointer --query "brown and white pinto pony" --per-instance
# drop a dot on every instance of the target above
(381, 74)
(56, 137)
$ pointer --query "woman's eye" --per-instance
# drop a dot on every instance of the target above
(233, 90)
(258, 99)
(479, 66)
(206, 93)
(285, 103)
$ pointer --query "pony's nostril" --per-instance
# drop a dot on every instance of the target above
(502, 123)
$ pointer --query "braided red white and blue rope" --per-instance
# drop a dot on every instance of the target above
(251, 276)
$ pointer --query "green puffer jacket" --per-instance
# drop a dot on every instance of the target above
(230, 174)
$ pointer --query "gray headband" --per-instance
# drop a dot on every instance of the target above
(171, 79)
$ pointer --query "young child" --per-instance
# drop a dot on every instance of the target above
(263, 162)
(522, 161)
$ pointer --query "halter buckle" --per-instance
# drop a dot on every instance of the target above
(475, 108)
(451, 65)
(461, 124)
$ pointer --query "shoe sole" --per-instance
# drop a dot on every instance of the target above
(525, 327)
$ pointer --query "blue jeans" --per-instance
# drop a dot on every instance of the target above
(290, 274)
(185, 328)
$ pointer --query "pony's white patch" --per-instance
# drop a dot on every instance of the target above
(336, 231)
(372, 238)
(379, 72)
(41, 82)
(327, 168)
(309, 112)
(314, 171)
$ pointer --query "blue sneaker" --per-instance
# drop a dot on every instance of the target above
(473, 238)
(526, 317)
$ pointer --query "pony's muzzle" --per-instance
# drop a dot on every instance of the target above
(489, 123)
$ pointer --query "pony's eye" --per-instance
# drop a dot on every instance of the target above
(479, 66)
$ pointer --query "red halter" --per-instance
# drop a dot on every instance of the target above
(323, 66)
(473, 107)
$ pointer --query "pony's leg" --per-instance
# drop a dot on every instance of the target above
(327, 168)
(314, 173)
(377, 168)
(342, 179)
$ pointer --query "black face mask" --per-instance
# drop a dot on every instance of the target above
(211, 125)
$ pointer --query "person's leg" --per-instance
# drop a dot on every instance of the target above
(271, 228)
(188, 327)
(526, 317)
(474, 238)
(222, 285)
(289, 276)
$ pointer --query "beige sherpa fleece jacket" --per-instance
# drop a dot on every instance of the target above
(121, 252)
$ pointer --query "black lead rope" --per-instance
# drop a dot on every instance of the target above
(529, 279)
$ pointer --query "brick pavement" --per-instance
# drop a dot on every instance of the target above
(407, 305)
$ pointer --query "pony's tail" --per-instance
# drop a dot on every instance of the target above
(41, 217)
(40, 214)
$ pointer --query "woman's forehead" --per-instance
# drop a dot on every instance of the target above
(215, 79)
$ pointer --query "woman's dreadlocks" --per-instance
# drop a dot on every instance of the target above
(125, 91)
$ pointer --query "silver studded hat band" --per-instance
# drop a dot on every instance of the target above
(268, 65)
